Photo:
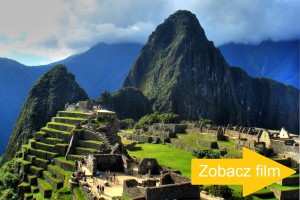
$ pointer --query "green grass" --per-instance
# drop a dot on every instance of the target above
(45, 144)
(27, 195)
(256, 198)
(55, 130)
(129, 131)
(126, 142)
(55, 180)
(63, 159)
(79, 194)
(58, 169)
(24, 184)
(92, 141)
(166, 156)
(293, 176)
(38, 196)
(225, 143)
(237, 190)
(73, 118)
(192, 144)
(23, 162)
(263, 191)
(197, 137)
(284, 188)
(44, 184)
(61, 124)
(123, 197)
(72, 111)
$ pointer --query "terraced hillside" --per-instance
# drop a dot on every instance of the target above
(44, 167)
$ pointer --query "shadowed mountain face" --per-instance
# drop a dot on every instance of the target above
(275, 60)
(49, 95)
(127, 103)
(180, 71)
(103, 67)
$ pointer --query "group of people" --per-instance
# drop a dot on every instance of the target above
(100, 189)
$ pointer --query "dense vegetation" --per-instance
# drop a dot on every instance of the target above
(9, 179)
(180, 71)
(209, 153)
(49, 95)
(165, 118)
(127, 102)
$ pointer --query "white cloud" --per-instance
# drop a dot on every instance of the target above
(56, 29)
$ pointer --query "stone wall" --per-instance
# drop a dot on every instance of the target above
(286, 195)
(172, 128)
(132, 190)
(290, 151)
(91, 164)
(113, 162)
(181, 145)
(87, 191)
(232, 133)
(173, 178)
(289, 181)
(239, 144)
(266, 138)
(173, 191)
(148, 164)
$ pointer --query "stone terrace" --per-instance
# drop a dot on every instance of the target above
(45, 169)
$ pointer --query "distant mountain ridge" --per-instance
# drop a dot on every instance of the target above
(180, 71)
(105, 66)
(275, 60)
(48, 95)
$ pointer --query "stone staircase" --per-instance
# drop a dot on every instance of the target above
(287, 188)
(45, 169)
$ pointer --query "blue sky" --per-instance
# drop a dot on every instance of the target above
(36, 32)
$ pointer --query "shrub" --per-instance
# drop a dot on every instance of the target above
(207, 121)
(165, 118)
(10, 180)
(209, 153)
(220, 191)
(9, 194)
(168, 118)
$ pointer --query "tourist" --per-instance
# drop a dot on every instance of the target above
(114, 176)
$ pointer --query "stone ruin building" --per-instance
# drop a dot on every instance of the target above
(113, 157)
(168, 186)
(156, 133)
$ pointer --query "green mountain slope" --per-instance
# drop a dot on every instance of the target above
(49, 95)
(127, 102)
(180, 71)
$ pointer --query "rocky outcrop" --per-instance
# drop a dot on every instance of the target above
(49, 95)
(180, 71)
(127, 103)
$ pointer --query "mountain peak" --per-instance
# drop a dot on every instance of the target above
(180, 26)
(48, 95)
(180, 71)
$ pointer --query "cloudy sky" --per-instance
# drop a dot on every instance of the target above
(36, 32)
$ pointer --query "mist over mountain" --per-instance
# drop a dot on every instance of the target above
(275, 60)
(180, 71)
